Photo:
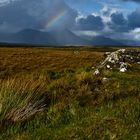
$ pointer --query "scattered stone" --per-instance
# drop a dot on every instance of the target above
(93, 68)
(120, 59)
(122, 50)
(96, 89)
(76, 52)
(108, 66)
(104, 80)
(123, 67)
(107, 53)
(123, 70)
(97, 72)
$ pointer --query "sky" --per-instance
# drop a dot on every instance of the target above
(116, 19)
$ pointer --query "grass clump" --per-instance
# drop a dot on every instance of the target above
(21, 99)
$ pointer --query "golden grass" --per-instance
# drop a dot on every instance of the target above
(17, 60)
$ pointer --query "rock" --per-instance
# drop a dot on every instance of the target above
(97, 72)
(93, 68)
(107, 53)
(76, 52)
(108, 66)
(122, 50)
(111, 60)
(123, 67)
(120, 59)
(123, 70)
(104, 80)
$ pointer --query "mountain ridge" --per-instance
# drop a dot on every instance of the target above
(56, 37)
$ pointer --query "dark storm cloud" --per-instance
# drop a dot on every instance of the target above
(34, 14)
(132, 0)
(118, 18)
(91, 22)
(118, 22)
(121, 24)
(133, 19)
(15, 16)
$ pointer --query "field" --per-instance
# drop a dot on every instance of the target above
(17, 60)
(52, 93)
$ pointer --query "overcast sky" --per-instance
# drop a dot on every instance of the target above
(119, 19)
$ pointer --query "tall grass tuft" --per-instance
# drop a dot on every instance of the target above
(20, 99)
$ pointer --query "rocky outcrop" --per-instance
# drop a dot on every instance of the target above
(119, 60)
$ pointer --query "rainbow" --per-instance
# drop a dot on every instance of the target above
(55, 18)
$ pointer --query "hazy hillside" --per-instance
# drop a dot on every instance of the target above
(55, 37)
(66, 37)
(101, 40)
(28, 36)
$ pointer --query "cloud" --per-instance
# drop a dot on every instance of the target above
(14, 16)
(131, 37)
(87, 33)
(20, 14)
(109, 23)
(132, 0)
(118, 22)
(112, 23)
(133, 19)
(135, 34)
(106, 12)
(118, 19)
(91, 22)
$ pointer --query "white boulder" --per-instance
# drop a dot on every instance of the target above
(97, 72)
(123, 70)
(108, 66)
(123, 67)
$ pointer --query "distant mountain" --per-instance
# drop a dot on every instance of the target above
(33, 36)
(131, 42)
(5, 37)
(101, 40)
(30, 36)
(57, 37)
(66, 37)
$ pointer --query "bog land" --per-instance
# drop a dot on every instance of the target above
(53, 93)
